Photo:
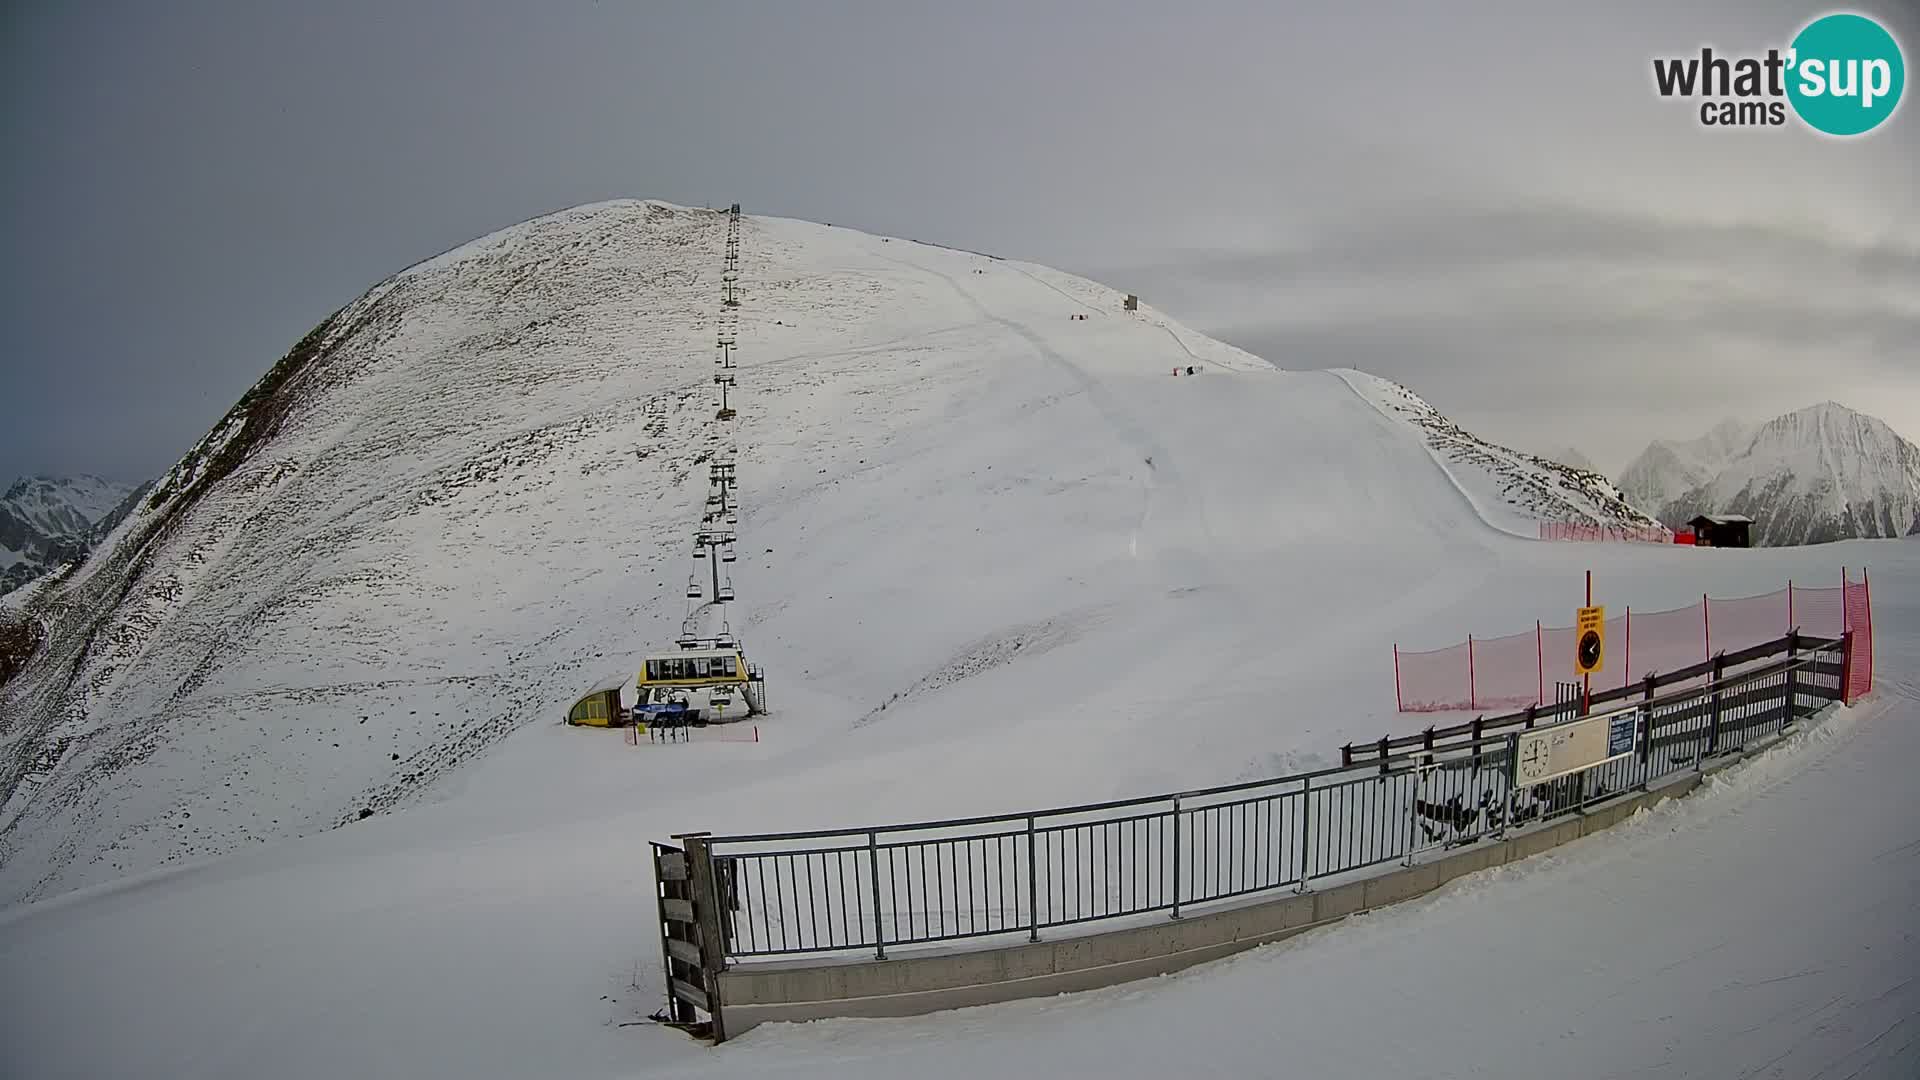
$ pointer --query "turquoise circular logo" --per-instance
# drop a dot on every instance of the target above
(1847, 74)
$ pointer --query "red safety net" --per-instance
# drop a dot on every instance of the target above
(1602, 534)
(1745, 621)
(1859, 620)
(1434, 681)
(1820, 612)
(1660, 641)
(1518, 670)
(1506, 672)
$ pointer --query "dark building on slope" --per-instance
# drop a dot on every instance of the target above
(1722, 530)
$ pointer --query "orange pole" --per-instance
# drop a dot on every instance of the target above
(1586, 681)
(1866, 587)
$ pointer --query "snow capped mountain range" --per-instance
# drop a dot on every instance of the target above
(47, 520)
(1666, 470)
(1822, 473)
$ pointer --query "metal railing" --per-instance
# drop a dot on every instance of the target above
(1712, 669)
(875, 888)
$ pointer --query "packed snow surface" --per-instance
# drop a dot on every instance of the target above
(1066, 573)
(1765, 926)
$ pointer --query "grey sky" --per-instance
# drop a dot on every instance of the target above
(1485, 201)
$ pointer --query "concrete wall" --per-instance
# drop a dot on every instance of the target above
(916, 983)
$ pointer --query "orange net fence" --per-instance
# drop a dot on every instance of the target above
(1617, 534)
(1519, 670)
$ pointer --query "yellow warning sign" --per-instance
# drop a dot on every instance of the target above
(1591, 634)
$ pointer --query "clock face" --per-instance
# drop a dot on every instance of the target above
(1589, 650)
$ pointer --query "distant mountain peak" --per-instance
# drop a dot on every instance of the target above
(1667, 469)
(1572, 458)
(1819, 473)
(46, 521)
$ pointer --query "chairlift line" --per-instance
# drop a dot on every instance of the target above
(715, 663)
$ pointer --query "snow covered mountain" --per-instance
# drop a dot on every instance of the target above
(464, 498)
(1572, 458)
(1820, 474)
(1666, 470)
(47, 520)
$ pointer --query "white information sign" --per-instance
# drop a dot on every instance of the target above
(1549, 753)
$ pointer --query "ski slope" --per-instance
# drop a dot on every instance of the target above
(1066, 575)
(478, 496)
(1764, 924)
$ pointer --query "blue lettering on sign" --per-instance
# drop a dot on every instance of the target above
(1620, 734)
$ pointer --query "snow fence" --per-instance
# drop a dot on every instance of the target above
(1519, 670)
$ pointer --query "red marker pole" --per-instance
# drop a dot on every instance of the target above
(1399, 700)
(1866, 597)
(1586, 692)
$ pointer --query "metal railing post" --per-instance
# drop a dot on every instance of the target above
(873, 867)
(1793, 702)
(1306, 801)
(1643, 750)
(1413, 819)
(1033, 886)
(1176, 856)
(1713, 712)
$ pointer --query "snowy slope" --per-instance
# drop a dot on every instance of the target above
(1067, 574)
(1512, 490)
(492, 934)
(460, 500)
(1667, 469)
(1820, 474)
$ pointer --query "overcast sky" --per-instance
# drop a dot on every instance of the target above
(1485, 201)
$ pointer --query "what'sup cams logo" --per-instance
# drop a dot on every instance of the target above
(1842, 75)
